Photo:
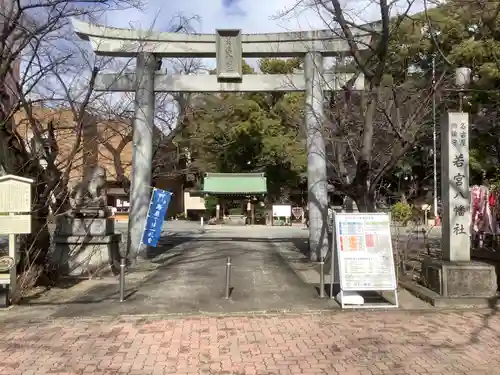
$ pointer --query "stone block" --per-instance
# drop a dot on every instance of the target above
(87, 255)
(69, 226)
(229, 55)
(459, 279)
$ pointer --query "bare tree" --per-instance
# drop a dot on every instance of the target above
(370, 131)
(171, 110)
(47, 107)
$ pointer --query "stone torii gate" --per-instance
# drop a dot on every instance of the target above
(229, 47)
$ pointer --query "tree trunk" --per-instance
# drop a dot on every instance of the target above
(365, 202)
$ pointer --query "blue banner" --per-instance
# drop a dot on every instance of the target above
(160, 199)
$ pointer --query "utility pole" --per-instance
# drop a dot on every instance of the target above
(434, 136)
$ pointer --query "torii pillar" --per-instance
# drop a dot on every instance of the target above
(142, 154)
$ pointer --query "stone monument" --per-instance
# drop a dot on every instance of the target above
(455, 275)
(85, 238)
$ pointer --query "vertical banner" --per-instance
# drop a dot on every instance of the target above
(160, 199)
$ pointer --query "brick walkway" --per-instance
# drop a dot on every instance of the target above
(342, 343)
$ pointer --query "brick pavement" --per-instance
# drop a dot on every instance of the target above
(364, 343)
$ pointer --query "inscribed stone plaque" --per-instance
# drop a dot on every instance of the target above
(19, 224)
(229, 55)
(15, 194)
(455, 186)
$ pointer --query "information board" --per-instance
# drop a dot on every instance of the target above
(15, 194)
(364, 248)
(282, 210)
(19, 224)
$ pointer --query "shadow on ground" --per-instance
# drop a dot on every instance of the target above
(188, 277)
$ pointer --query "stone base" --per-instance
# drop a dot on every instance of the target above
(438, 301)
(459, 279)
(239, 220)
(72, 226)
(87, 255)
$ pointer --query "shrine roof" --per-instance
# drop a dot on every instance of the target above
(235, 183)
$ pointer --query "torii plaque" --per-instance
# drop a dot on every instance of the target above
(228, 55)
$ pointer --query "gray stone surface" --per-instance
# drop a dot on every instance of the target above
(68, 226)
(228, 54)
(455, 187)
(129, 42)
(186, 274)
(86, 255)
(316, 157)
(249, 83)
(459, 279)
(142, 158)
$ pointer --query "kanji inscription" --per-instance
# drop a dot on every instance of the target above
(229, 55)
(455, 187)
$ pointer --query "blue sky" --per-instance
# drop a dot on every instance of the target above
(251, 16)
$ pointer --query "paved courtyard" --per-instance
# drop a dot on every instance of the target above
(175, 321)
(186, 275)
(364, 343)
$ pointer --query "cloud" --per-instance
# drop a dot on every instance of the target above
(251, 16)
(233, 8)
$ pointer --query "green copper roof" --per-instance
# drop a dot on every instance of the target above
(235, 183)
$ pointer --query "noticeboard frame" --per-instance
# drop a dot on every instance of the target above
(339, 267)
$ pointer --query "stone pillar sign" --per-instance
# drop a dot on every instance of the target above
(454, 277)
(455, 187)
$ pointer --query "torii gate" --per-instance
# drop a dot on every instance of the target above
(229, 47)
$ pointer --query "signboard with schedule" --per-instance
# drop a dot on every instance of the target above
(364, 248)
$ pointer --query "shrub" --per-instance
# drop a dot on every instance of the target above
(210, 205)
(402, 212)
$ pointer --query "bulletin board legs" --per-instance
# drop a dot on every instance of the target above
(371, 305)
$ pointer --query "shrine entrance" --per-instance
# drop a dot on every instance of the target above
(234, 197)
(229, 47)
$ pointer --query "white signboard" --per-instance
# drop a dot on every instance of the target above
(19, 224)
(15, 194)
(364, 248)
(282, 210)
(15, 205)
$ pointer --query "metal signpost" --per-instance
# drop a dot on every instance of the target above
(365, 258)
